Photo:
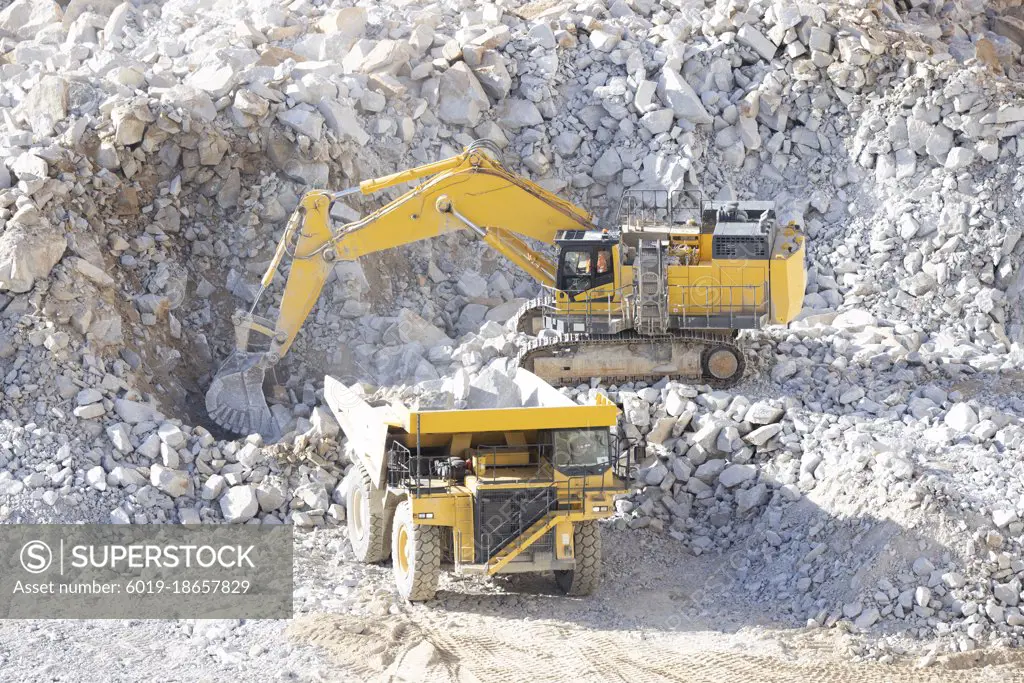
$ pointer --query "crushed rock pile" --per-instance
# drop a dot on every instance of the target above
(151, 152)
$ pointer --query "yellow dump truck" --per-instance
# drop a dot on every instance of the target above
(487, 489)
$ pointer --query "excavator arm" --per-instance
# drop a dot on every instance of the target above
(471, 191)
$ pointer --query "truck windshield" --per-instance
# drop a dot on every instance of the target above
(581, 450)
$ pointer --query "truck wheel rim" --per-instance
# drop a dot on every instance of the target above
(357, 512)
(403, 551)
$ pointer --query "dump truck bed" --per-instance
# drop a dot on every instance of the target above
(602, 414)
(494, 403)
(530, 404)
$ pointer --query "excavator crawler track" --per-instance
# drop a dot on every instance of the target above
(708, 351)
(523, 320)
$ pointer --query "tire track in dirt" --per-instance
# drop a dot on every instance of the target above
(421, 647)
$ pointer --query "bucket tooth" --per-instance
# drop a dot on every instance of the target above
(235, 399)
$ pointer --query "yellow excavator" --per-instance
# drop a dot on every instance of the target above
(661, 294)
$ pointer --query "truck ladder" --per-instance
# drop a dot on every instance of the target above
(532, 534)
(652, 288)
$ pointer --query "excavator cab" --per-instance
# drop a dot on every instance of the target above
(585, 260)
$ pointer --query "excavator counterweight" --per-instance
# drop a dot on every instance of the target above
(660, 294)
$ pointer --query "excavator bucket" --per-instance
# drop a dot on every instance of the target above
(235, 399)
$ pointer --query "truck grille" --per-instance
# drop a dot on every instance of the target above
(502, 515)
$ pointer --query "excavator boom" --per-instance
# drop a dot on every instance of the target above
(464, 192)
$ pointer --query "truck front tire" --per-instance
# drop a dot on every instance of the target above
(415, 555)
(367, 518)
(585, 577)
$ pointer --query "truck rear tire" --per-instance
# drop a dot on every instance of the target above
(585, 577)
(415, 555)
(367, 519)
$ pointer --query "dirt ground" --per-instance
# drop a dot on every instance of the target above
(648, 622)
(437, 648)
(645, 624)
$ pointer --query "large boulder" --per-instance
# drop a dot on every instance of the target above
(493, 389)
(918, 284)
(270, 495)
(28, 166)
(707, 435)
(24, 18)
(376, 56)
(28, 256)
(239, 504)
(341, 120)
(174, 483)
(134, 412)
(503, 312)
(751, 498)
(471, 285)
(516, 113)
(344, 27)
(470, 318)
(45, 104)
(216, 80)
(128, 128)
(763, 413)
(193, 99)
(304, 120)
(607, 166)
(761, 435)
(961, 417)
(734, 475)
(662, 430)
(413, 328)
(461, 98)
(679, 95)
(493, 75)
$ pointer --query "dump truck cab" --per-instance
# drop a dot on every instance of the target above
(516, 487)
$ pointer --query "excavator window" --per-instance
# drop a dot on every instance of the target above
(576, 271)
(586, 268)
(577, 263)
